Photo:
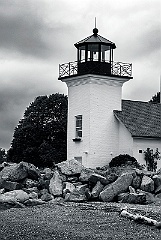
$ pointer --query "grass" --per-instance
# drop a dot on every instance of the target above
(91, 221)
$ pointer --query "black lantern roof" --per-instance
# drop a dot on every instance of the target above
(94, 39)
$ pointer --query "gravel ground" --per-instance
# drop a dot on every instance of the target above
(75, 221)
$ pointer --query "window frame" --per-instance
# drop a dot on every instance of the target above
(78, 126)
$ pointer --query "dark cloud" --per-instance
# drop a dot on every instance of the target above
(23, 30)
(38, 35)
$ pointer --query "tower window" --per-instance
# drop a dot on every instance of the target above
(78, 126)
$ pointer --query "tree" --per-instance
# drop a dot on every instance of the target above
(151, 159)
(2, 155)
(155, 98)
(41, 136)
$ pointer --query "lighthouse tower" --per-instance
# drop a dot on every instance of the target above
(94, 90)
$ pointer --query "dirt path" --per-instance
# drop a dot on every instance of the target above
(76, 221)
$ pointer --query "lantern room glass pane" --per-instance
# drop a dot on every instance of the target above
(105, 53)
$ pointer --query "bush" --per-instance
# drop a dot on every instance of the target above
(123, 159)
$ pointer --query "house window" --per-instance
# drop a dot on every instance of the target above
(78, 126)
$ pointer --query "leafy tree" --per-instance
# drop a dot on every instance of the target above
(41, 136)
(2, 155)
(151, 159)
(155, 98)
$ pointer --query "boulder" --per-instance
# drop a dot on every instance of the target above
(33, 195)
(147, 184)
(149, 196)
(29, 183)
(157, 180)
(158, 190)
(56, 184)
(46, 197)
(30, 190)
(136, 182)
(48, 173)
(34, 202)
(97, 189)
(43, 191)
(158, 195)
(33, 172)
(78, 194)
(68, 187)
(14, 196)
(44, 183)
(70, 167)
(85, 174)
(122, 197)
(110, 178)
(94, 178)
(14, 173)
(133, 198)
(72, 179)
(120, 185)
(131, 189)
(8, 185)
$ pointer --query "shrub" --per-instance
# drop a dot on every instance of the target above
(123, 159)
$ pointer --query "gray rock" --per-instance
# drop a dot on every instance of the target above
(48, 173)
(157, 180)
(85, 174)
(131, 190)
(14, 173)
(14, 196)
(97, 189)
(34, 202)
(147, 184)
(149, 196)
(136, 182)
(56, 184)
(122, 197)
(78, 194)
(94, 178)
(8, 185)
(158, 195)
(30, 190)
(70, 167)
(72, 179)
(110, 178)
(29, 183)
(158, 190)
(119, 186)
(135, 198)
(46, 197)
(33, 172)
(43, 191)
(33, 195)
(68, 187)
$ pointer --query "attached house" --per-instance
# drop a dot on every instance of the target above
(100, 124)
(139, 128)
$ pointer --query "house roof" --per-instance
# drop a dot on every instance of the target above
(142, 119)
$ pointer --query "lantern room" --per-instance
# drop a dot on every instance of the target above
(95, 54)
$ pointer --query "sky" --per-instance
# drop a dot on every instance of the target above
(38, 35)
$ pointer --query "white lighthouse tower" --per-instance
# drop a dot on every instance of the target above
(94, 90)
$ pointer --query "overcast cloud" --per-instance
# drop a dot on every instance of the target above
(37, 35)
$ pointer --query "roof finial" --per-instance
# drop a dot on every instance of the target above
(95, 30)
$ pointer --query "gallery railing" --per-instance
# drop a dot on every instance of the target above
(95, 67)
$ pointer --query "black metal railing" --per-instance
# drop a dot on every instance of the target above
(95, 67)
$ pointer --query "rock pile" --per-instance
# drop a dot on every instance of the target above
(24, 185)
